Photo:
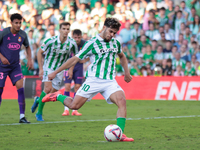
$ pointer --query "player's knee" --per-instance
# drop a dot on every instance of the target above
(121, 101)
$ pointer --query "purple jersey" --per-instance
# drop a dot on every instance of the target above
(10, 45)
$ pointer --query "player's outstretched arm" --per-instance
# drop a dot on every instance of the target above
(69, 63)
(124, 64)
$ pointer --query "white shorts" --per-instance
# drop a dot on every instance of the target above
(56, 82)
(92, 86)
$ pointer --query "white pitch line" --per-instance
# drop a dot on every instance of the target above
(169, 117)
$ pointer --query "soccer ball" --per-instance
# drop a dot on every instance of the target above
(113, 133)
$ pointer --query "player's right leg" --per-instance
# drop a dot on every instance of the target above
(47, 90)
(119, 99)
(75, 103)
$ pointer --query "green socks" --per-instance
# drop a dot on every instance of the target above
(61, 98)
(121, 123)
(41, 104)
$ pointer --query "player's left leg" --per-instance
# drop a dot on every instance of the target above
(16, 77)
(21, 101)
(119, 99)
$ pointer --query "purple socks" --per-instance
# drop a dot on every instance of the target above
(1, 91)
(66, 93)
(21, 100)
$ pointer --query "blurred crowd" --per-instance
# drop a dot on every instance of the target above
(158, 37)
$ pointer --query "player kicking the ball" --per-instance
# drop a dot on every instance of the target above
(11, 39)
(100, 77)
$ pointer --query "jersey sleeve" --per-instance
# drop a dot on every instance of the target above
(26, 42)
(86, 50)
(3, 32)
(74, 48)
(45, 45)
(119, 47)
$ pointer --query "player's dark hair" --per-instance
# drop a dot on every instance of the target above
(15, 16)
(64, 24)
(77, 32)
(112, 23)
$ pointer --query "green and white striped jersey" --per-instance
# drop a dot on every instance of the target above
(57, 53)
(102, 56)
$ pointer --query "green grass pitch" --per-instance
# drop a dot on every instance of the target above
(150, 123)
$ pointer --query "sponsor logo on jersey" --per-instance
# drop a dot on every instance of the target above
(13, 46)
(8, 38)
(108, 49)
(19, 39)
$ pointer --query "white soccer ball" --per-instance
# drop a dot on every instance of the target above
(113, 133)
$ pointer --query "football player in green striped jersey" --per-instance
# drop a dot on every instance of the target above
(102, 50)
(57, 50)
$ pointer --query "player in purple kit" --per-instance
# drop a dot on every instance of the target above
(11, 39)
(74, 73)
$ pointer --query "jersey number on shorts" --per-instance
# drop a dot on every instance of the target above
(85, 87)
(1, 75)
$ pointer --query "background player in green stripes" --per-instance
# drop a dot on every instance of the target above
(100, 77)
(57, 50)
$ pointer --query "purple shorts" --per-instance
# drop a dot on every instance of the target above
(14, 72)
(77, 75)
